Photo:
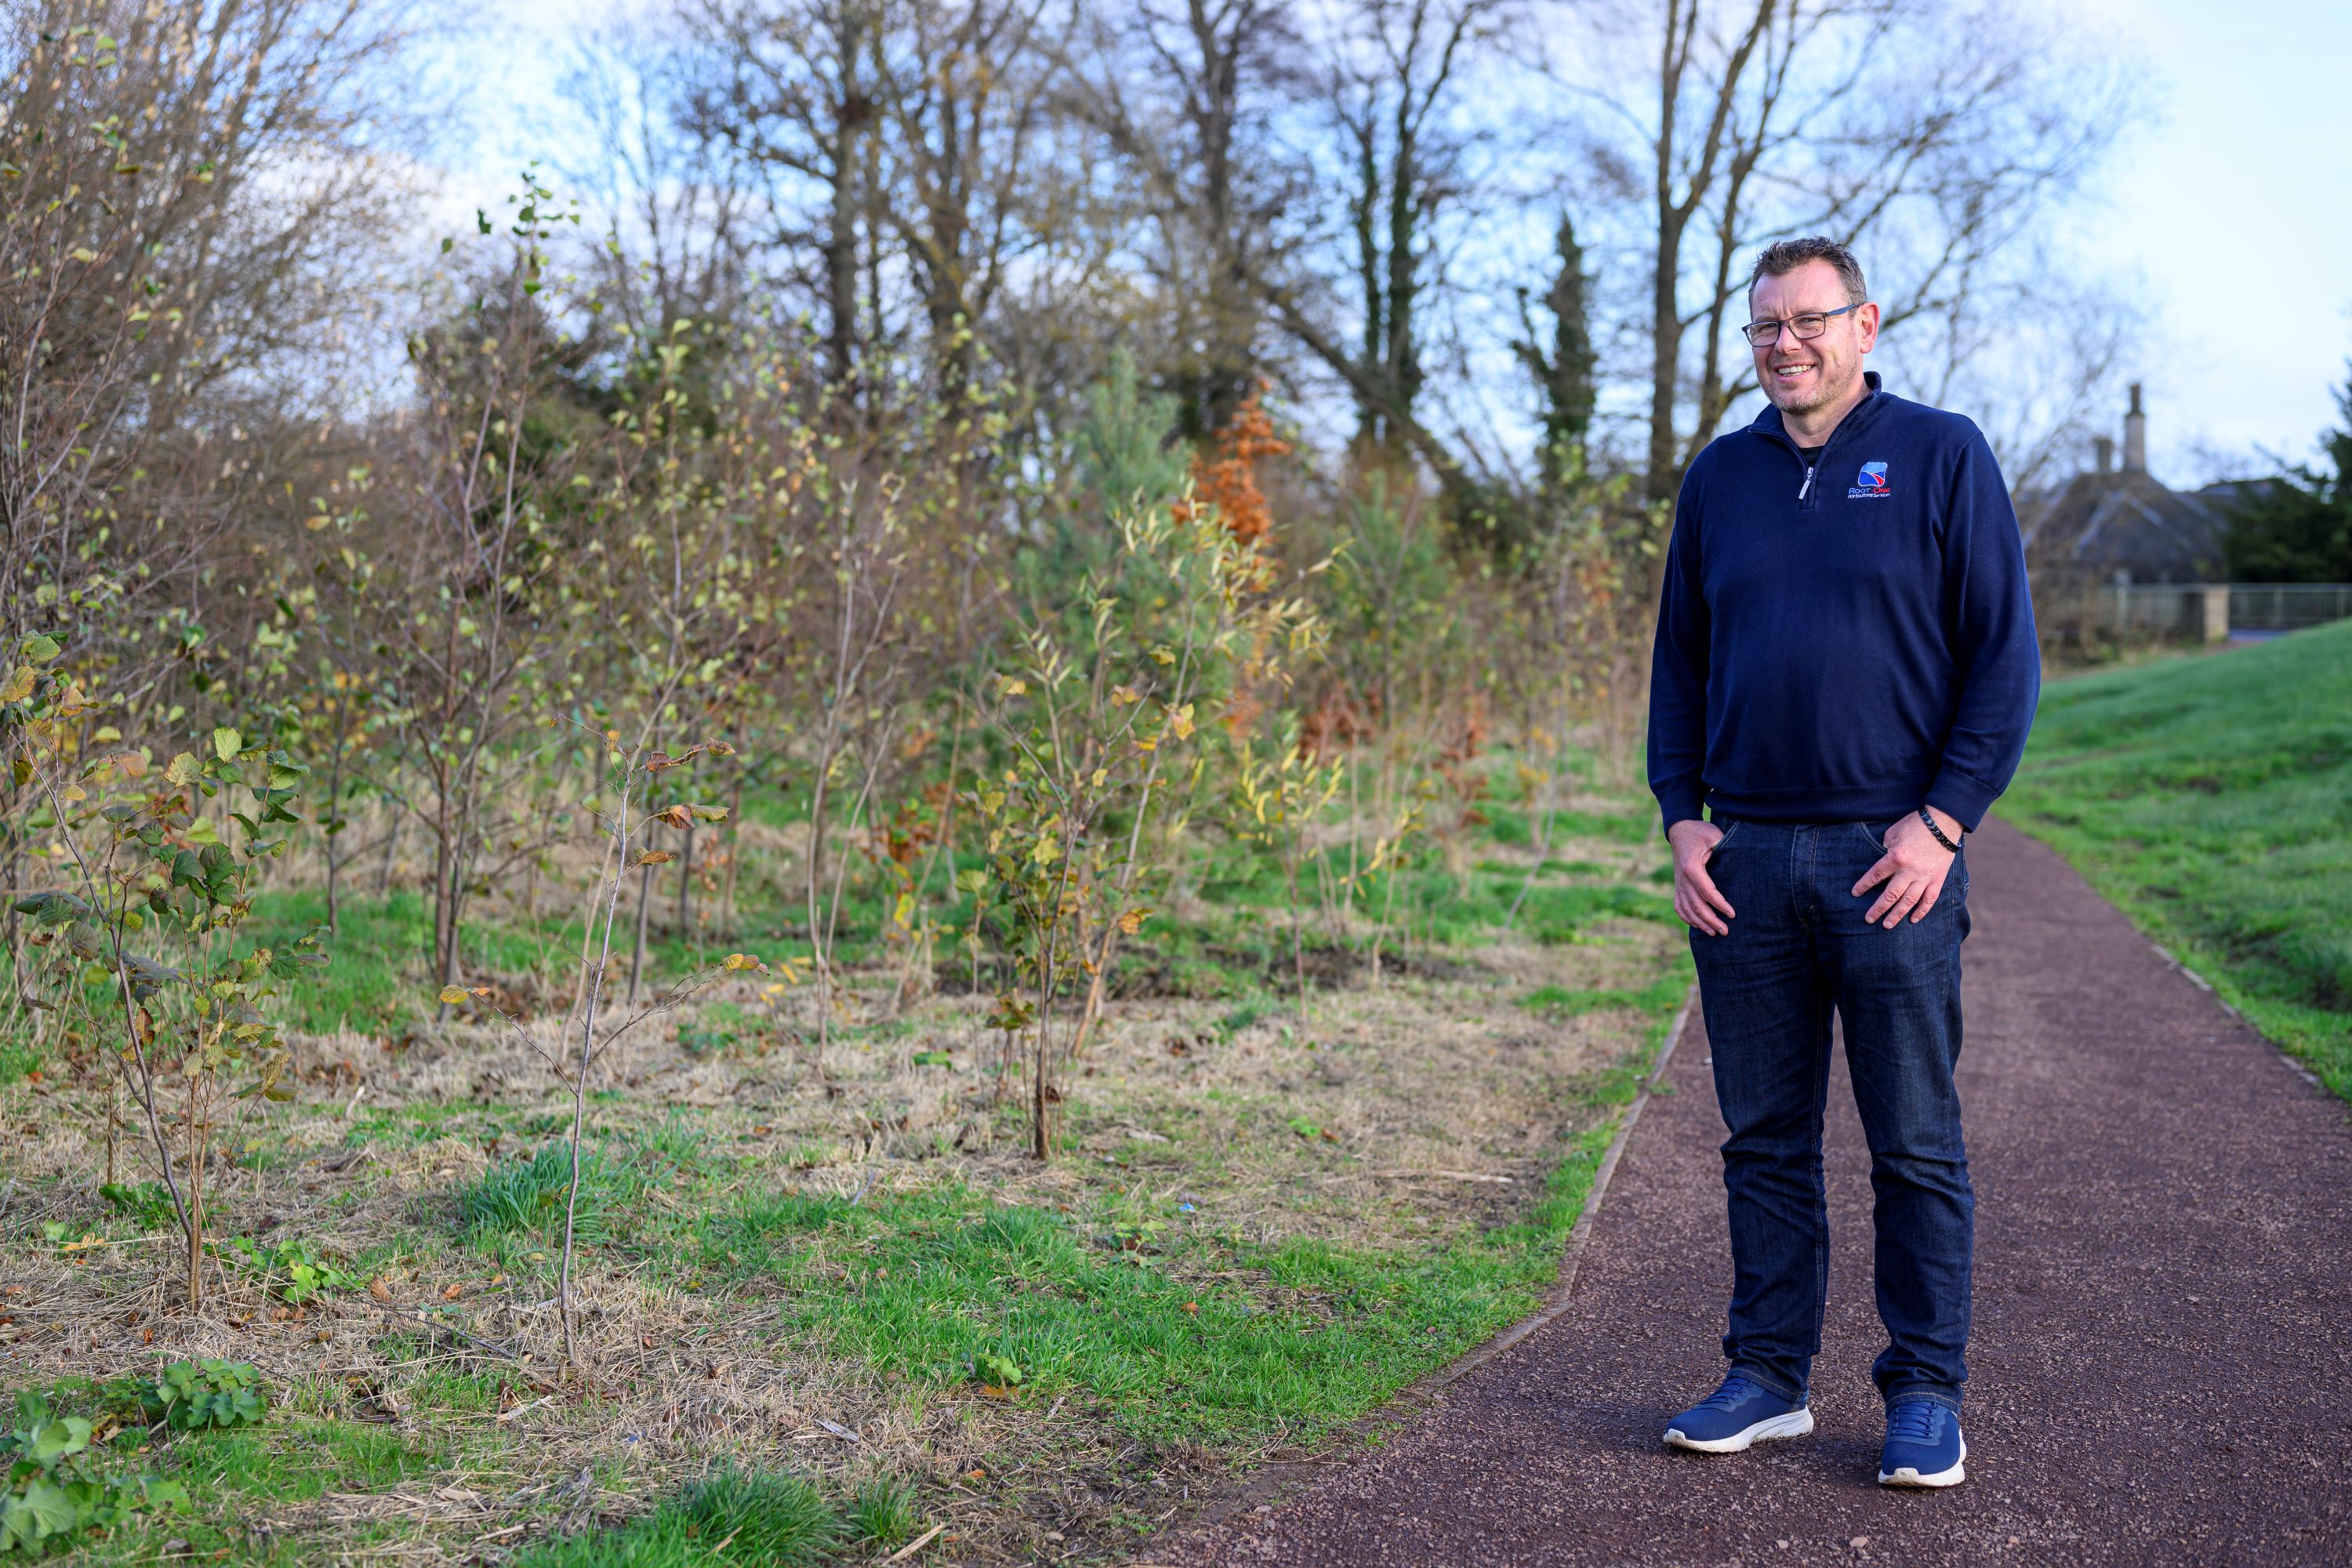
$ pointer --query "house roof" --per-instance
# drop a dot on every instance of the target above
(2103, 524)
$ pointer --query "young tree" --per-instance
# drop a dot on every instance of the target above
(475, 550)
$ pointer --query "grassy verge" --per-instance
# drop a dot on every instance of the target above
(830, 1304)
(2211, 797)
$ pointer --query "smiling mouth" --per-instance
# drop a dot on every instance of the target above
(1792, 372)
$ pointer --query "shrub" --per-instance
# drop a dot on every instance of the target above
(53, 1494)
(292, 1266)
(190, 1396)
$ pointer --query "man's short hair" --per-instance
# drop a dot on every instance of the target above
(1785, 255)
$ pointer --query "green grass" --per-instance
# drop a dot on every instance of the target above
(727, 1518)
(526, 1192)
(1655, 1000)
(295, 1457)
(942, 1288)
(2211, 797)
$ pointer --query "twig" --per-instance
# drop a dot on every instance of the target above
(493, 1346)
(915, 1545)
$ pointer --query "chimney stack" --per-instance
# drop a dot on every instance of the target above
(2135, 436)
(2106, 447)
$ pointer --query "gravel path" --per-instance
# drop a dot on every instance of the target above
(2162, 1355)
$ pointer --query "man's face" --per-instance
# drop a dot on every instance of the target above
(1802, 374)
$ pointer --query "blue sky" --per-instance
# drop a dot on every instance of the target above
(2234, 216)
(2229, 217)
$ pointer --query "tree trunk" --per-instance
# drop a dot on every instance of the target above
(841, 237)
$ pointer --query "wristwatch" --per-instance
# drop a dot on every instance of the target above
(1929, 818)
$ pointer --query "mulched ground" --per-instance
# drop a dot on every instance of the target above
(2162, 1355)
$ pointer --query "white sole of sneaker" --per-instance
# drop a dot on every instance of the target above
(1904, 1476)
(1795, 1424)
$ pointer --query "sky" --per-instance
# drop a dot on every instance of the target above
(2226, 217)
(2234, 218)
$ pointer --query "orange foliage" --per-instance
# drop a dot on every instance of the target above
(1333, 722)
(1224, 477)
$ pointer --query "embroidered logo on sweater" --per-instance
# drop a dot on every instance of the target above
(1871, 484)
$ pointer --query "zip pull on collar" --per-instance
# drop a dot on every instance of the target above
(1807, 488)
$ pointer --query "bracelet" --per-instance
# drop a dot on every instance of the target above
(1929, 818)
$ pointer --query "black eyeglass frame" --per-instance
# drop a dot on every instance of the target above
(1749, 331)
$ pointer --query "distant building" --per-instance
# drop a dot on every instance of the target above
(2120, 525)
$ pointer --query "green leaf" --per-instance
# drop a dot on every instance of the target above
(40, 649)
(51, 909)
(43, 1511)
(227, 743)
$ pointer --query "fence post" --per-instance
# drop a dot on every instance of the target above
(2217, 611)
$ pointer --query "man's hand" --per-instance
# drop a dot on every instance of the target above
(1700, 903)
(1913, 868)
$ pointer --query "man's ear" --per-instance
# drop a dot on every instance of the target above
(1866, 324)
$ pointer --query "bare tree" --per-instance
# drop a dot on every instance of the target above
(1397, 74)
(1932, 136)
(1185, 93)
(670, 208)
(786, 91)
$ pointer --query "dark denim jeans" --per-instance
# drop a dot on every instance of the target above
(1796, 949)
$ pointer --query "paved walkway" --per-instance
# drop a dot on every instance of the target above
(2162, 1355)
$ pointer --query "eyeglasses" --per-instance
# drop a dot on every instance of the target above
(1812, 324)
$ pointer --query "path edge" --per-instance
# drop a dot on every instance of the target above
(1269, 1480)
(1580, 1235)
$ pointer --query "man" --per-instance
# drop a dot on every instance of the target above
(1844, 674)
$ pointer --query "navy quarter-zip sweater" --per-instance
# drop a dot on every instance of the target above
(1844, 641)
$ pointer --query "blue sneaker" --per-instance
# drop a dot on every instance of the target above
(1923, 1446)
(1740, 1413)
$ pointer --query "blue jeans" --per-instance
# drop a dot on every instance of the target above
(1797, 948)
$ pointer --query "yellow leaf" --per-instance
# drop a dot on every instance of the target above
(1048, 850)
(744, 960)
(20, 684)
(655, 858)
(452, 995)
(1125, 695)
(1133, 921)
(1181, 722)
(83, 253)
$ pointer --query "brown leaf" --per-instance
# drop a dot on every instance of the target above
(379, 1289)
(675, 815)
(655, 858)
(454, 1290)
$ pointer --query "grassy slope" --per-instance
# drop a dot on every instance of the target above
(2211, 797)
